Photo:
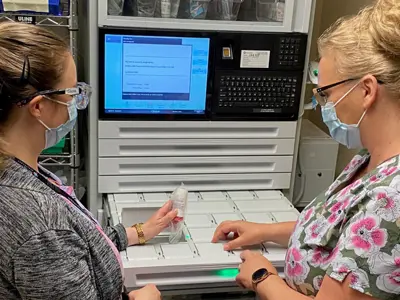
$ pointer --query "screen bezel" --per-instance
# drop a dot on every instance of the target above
(103, 115)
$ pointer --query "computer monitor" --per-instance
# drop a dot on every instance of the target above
(154, 74)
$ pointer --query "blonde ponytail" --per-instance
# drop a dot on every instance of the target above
(368, 43)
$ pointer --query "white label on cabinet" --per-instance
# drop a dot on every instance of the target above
(255, 59)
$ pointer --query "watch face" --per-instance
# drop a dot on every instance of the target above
(259, 274)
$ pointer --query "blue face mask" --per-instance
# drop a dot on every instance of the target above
(347, 135)
(54, 135)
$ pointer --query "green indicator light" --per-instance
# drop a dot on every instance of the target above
(188, 237)
(227, 273)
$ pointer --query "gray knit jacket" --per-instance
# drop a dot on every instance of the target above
(48, 250)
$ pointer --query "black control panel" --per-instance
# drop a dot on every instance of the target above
(220, 75)
(290, 51)
(255, 91)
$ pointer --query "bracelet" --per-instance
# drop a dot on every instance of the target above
(139, 230)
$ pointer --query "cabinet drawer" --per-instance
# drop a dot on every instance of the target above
(194, 165)
(200, 182)
(195, 130)
(194, 147)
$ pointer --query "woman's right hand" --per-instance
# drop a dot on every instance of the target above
(149, 292)
(244, 234)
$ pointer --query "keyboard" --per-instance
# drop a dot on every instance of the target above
(258, 94)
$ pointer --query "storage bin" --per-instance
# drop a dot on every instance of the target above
(115, 7)
(198, 9)
(167, 8)
(225, 9)
(270, 10)
(263, 10)
(146, 8)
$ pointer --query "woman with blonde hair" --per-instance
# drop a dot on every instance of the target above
(51, 247)
(346, 243)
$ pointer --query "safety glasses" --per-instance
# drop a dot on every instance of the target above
(321, 97)
(81, 95)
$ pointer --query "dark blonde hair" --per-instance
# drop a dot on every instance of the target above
(368, 43)
(31, 60)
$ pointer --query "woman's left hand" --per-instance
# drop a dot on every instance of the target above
(252, 261)
(159, 221)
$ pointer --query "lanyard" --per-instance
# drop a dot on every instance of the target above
(62, 193)
(55, 188)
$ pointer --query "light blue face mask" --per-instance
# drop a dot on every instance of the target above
(54, 135)
(347, 135)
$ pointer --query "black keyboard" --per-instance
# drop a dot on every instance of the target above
(258, 94)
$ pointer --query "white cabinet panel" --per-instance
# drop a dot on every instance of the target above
(203, 182)
(195, 130)
(202, 235)
(199, 221)
(177, 251)
(194, 147)
(130, 197)
(219, 218)
(263, 205)
(259, 217)
(212, 250)
(212, 196)
(285, 216)
(209, 207)
(142, 253)
(241, 195)
(194, 165)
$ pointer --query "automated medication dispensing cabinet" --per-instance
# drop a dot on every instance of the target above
(206, 93)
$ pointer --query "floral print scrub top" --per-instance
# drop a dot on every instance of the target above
(352, 229)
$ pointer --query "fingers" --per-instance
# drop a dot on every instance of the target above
(235, 244)
(245, 255)
(223, 230)
(167, 219)
(165, 208)
(238, 280)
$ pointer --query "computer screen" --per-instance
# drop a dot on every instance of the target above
(155, 74)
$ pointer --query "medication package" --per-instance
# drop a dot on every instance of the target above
(179, 201)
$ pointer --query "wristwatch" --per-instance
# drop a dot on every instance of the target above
(139, 230)
(259, 276)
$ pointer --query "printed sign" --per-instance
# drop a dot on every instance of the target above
(25, 19)
(257, 59)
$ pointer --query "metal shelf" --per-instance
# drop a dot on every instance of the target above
(62, 159)
(41, 20)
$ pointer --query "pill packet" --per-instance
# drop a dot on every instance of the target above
(179, 199)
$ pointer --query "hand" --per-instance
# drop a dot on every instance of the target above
(159, 221)
(245, 234)
(149, 292)
(252, 261)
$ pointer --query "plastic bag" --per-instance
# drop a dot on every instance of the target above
(179, 201)
(115, 7)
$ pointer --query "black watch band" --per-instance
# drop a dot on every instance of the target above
(260, 275)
